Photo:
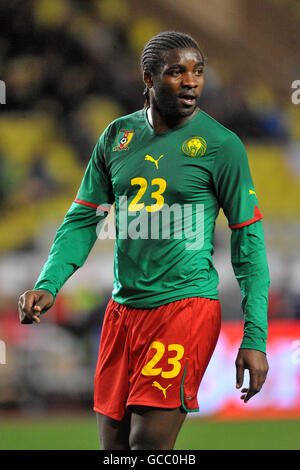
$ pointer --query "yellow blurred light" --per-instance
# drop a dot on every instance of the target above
(96, 113)
(81, 24)
(260, 95)
(141, 31)
(293, 113)
(62, 163)
(51, 13)
(277, 185)
(32, 131)
(113, 11)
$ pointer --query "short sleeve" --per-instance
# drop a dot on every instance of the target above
(233, 184)
(96, 189)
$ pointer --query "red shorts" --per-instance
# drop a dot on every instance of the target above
(155, 357)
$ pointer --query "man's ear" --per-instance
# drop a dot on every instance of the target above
(148, 79)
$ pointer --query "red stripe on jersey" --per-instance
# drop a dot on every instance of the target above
(257, 216)
(90, 204)
(85, 203)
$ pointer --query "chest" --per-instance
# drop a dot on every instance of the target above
(170, 169)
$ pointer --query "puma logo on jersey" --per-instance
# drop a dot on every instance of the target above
(151, 159)
(164, 390)
(252, 192)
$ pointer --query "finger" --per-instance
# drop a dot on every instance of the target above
(261, 379)
(27, 302)
(20, 310)
(254, 386)
(41, 304)
(243, 393)
(26, 310)
(36, 314)
(29, 312)
(239, 375)
(249, 395)
(24, 319)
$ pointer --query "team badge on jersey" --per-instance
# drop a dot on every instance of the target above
(194, 147)
(123, 139)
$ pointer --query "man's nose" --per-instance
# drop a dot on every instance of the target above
(189, 80)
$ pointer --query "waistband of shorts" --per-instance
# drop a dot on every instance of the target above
(121, 307)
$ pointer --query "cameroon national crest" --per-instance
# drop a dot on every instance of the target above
(194, 147)
(123, 139)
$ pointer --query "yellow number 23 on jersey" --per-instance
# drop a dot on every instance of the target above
(135, 205)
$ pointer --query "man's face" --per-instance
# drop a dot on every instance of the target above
(176, 88)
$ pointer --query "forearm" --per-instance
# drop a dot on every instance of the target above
(249, 261)
(73, 242)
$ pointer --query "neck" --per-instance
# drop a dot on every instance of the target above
(162, 123)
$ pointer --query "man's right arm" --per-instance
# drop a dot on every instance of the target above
(74, 239)
(72, 244)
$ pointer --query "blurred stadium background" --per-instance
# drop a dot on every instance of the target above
(72, 66)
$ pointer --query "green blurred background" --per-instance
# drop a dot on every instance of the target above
(70, 67)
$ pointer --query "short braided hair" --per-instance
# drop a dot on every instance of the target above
(152, 55)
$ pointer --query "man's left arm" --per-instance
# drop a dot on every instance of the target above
(237, 196)
(249, 261)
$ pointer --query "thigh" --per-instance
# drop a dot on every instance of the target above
(113, 433)
(154, 428)
(111, 375)
(170, 351)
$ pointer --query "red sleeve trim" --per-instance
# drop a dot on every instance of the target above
(85, 203)
(90, 204)
(257, 216)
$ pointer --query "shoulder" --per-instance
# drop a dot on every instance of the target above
(221, 134)
(227, 147)
(125, 123)
(119, 133)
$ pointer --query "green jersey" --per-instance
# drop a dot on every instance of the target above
(168, 189)
(157, 180)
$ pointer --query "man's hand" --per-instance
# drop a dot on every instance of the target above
(256, 362)
(32, 303)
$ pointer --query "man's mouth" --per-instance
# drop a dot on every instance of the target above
(187, 99)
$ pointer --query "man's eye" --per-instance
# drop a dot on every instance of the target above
(175, 73)
(199, 71)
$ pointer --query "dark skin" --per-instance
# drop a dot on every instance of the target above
(173, 94)
(182, 74)
(32, 303)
